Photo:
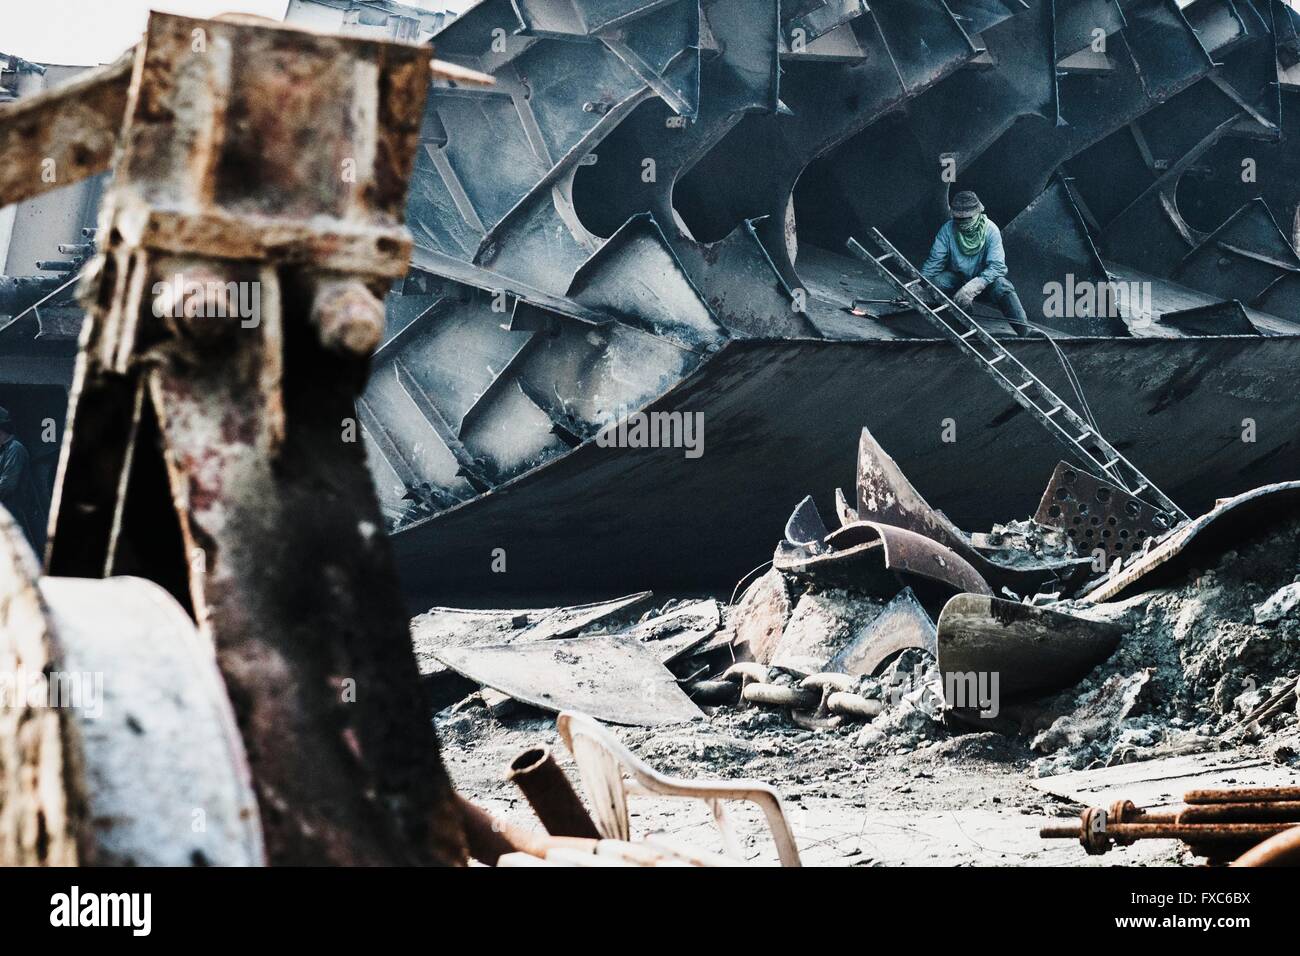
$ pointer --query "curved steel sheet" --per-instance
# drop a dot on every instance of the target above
(1203, 540)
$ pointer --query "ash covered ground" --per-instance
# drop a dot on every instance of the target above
(1206, 667)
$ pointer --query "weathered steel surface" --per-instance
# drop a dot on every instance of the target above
(760, 617)
(903, 623)
(1198, 544)
(678, 179)
(1098, 514)
(210, 451)
(881, 558)
(615, 679)
(117, 744)
(62, 136)
(1031, 650)
(1183, 399)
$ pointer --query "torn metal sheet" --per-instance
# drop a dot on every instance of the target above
(760, 617)
(459, 627)
(1098, 514)
(679, 630)
(1199, 543)
(806, 530)
(822, 624)
(886, 495)
(903, 623)
(609, 677)
(1221, 318)
(1031, 650)
(1163, 782)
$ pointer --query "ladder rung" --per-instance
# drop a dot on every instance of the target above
(908, 285)
(1087, 432)
(939, 308)
(887, 255)
(1024, 385)
(1053, 410)
(966, 335)
(996, 359)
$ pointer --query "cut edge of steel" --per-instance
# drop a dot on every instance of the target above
(1203, 537)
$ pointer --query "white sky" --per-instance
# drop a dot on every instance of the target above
(85, 32)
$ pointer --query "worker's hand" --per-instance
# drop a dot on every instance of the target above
(968, 293)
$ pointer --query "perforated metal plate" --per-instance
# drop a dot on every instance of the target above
(1097, 514)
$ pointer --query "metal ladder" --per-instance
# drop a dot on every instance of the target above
(1024, 386)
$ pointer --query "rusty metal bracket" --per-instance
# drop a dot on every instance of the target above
(253, 225)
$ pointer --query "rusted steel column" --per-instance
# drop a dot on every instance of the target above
(253, 226)
(550, 794)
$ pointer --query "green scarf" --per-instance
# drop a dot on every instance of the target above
(971, 234)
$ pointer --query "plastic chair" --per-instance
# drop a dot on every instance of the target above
(603, 761)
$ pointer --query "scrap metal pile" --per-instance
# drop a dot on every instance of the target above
(1094, 635)
(648, 213)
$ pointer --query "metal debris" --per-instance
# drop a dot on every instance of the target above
(901, 624)
(1098, 514)
(1203, 540)
(1031, 650)
(613, 678)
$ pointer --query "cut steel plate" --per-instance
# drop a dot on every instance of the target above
(1098, 514)
(903, 623)
(885, 494)
(1200, 543)
(1028, 650)
(615, 679)
(880, 558)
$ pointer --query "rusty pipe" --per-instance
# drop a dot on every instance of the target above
(1244, 795)
(1280, 811)
(488, 839)
(1282, 849)
(550, 794)
(1192, 833)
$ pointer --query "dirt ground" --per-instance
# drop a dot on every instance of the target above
(964, 801)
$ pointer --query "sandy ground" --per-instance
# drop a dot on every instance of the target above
(965, 801)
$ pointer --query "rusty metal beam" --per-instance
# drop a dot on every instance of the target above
(64, 135)
(213, 447)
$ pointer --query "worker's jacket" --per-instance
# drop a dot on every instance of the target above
(945, 256)
(19, 493)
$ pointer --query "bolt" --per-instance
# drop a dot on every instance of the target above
(348, 316)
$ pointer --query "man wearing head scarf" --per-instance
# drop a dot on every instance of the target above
(18, 491)
(967, 261)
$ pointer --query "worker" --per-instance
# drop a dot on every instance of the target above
(18, 492)
(967, 261)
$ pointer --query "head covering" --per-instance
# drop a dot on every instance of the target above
(966, 205)
(6, 422)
